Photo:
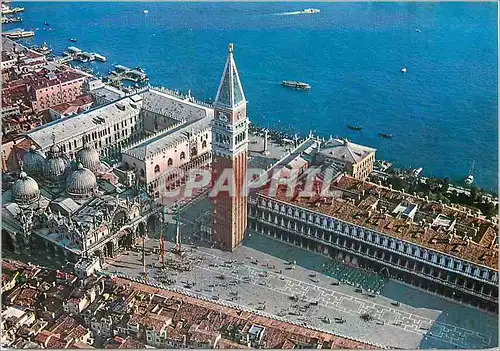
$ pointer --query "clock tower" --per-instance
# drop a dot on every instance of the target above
(230, 153)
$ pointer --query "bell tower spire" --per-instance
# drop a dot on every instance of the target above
(230, 152)
(230, 93)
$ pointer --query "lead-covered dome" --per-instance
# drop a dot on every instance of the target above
(25, 190)
(33, 162)
(81, 183)
(89, 158)
(56, 167)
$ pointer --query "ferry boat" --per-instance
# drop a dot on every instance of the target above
(386, 136)
(310, 11)
(99, 57)
(355, 128)
(470, 178)
(6, 10)
(19, 34)
(296, 85)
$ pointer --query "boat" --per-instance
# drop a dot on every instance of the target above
(296, 85)
(417, 171)
(145, 12)
(42, 49)
(6, 20)
(73, 40)
(6, 10)
(46, 23)
(355, 128)
(386, 136)
(19, 34)
(403, 70)
(417, 30)
(470, 178)
(310, 11)
(99, 57)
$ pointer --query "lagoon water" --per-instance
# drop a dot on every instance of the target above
(442, 112)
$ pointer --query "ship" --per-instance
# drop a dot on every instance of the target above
(355, 128)
(6, 10)
(19, 34)
(310, 11)
(99, 57)
(386, 136)
(296, 85)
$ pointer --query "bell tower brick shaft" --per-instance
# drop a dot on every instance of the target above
(230, 160)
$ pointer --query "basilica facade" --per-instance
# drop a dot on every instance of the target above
(67, 211)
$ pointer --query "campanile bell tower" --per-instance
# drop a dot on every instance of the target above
(230, 153)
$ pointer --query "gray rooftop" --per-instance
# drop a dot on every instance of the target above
(345, 150)
(108, 93)
(67, 128)
(165, 140)
(174, 107)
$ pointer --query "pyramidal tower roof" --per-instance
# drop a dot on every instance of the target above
(230, 93)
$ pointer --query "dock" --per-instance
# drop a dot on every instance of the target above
(77, 54)
(121, 73)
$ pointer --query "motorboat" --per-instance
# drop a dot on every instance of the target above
(73, 40)
(403, 70)
(355, 128)
(310, 11)
(386, 136)
(145, 12)
(296, 85)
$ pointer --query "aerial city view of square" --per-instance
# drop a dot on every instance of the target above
(249, 175)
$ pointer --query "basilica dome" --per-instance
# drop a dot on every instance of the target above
(33, 162)
(81, 182)
(56, 167)
(25, 190)
(89, 158)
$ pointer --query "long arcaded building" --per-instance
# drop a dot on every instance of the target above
(436, 247)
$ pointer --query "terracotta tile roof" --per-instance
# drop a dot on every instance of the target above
(214, 318)
(228, 344)
(483, 251)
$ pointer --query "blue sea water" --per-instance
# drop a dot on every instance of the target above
(442, 112)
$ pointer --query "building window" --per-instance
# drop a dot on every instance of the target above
(170, 162)
(204, 144)
(183, 155)
(157, 169)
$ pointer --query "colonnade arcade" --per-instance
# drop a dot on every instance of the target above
(368, 249)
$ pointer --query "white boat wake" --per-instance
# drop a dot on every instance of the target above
(289, 13)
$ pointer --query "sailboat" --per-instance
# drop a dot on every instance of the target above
(470, 178)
